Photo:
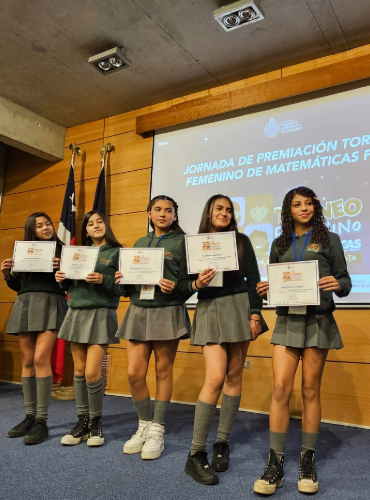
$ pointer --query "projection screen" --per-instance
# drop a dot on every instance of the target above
(256, 158)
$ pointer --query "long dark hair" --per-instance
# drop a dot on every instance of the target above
(319, 230)
(175, 226)
(109, 235)
(205, 226)
(30, 230)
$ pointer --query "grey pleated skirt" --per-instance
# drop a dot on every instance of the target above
(155, 323)
(37, 312)
(309, 330)
(90, 326)
(223, 319)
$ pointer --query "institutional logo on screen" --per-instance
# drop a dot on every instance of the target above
(272, 129)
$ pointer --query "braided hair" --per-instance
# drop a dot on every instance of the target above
(175, 226)
(319, 230)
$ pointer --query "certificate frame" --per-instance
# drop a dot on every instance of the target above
(68, 269)
(200, 256)
(133, 264)
(32, 245)
(293, 284)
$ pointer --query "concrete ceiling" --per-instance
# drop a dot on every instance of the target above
(176, 48)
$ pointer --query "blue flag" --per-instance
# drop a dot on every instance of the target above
(99, 200)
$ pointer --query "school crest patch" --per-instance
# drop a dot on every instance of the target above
(313, 248)
(105, 261)
(168, 255)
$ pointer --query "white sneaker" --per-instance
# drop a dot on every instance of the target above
(154, 443)
(135, 444)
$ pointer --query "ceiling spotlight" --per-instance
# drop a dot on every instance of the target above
(109, 61)
(237, 14)
(247, 14)
(231, 21)
(104, 65)
(114, 61)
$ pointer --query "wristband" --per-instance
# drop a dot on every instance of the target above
(195, 284)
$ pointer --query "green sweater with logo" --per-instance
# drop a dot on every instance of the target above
(83, 295)
(174, 255)
(34, 282)
(331, 263)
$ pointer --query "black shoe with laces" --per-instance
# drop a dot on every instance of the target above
(273, 477)
(307, 482)
(198, 468)
(23, 428)
(79, 432)
(38, 433)
(96, 436)
(220, 459)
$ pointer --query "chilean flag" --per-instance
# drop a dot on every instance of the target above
(66, 234)
(99, 200)
(67, 224)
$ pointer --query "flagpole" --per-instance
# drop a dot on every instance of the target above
(99, 204)
(66, 233)
(75, 150)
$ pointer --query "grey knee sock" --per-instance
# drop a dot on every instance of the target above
(44, 386)
(204, 414)
(277, 442)
(95, 392)
(143, 409)
(82, 398)
(30, 394)
(229, 410)
(309, 440)
(160, 410)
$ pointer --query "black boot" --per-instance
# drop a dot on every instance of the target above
(307, 482)
(79, 432)
(273, 477)
(23, 428)
(38, 433)
(220, 459)
(198, 468)
(96, 436)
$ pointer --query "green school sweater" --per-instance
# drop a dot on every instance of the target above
(174, 255)
(34, 282)
(331, 263)
(83, 295)
(246, 282)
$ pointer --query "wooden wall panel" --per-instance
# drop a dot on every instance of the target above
(5, 310)
(85, 133)
(17, 207)
(128, 192)
(34, 173)
(131, 152)
(6, 251)
(11, 361)
(345, 387)
(128, 228)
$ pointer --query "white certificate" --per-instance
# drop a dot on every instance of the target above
(78, 262)
(141, 266)
(211, 250)
(33, 256)
(293, 284)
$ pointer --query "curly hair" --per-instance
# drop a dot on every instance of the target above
(320, 232)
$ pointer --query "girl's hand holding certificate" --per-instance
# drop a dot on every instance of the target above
(6, 266)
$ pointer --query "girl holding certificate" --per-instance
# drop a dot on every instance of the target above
(90, 325)
(300, 332)
(226, 319)
(155, 321)
(36, 317)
